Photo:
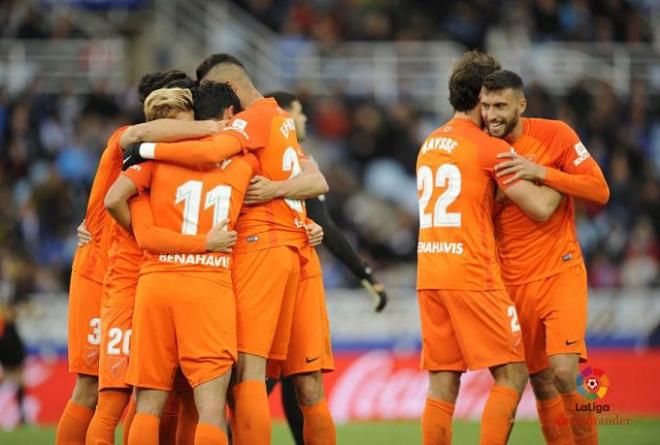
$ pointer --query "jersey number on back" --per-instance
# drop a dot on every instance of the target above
(190, 193)
(449, 176)
(291, 163)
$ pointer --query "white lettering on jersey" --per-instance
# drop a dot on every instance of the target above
(581, 152)
(199, 259)
(287, 127)
(440, 247)
(444, 143)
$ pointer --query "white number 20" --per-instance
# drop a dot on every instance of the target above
(190, 193)
(116, 336)
(449, 176)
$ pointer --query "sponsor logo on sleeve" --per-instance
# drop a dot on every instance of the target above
(239, 126)
(581, 152)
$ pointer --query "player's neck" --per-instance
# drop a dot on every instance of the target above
(474, 116)
(250, 97)
(516, 132)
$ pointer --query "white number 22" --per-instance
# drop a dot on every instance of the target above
(190, 193)
(447, 175)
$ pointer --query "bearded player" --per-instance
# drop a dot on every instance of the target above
(468, 320)
(542, 265)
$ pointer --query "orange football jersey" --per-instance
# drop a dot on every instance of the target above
(269, 133)
(530, 250)
(124, 259)
(91, 260)
(191, 202)
(456, 190)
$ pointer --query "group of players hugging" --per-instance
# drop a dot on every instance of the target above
(196, 285)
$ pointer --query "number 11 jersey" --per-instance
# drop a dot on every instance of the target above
(193, 201)
(456, 191)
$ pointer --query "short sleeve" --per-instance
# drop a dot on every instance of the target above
(573, 156)
(251, 128)
(140, 175)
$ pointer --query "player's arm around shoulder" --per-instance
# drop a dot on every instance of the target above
(168, 130)
(116, 200)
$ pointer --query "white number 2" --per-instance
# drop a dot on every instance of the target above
(449, 176)
(116, 336)
(513, 315)
(190, 193)
(290, 162)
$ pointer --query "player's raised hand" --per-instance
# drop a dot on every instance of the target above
(84, 236)
(260, 190)
(314, 234)
(132, 157)
(219, 239)
(519, 167)
(377, 291)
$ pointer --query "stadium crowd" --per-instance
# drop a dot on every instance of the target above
(50, 145)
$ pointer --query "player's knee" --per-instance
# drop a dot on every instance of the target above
(543, 385)
(309, 387)
(564, 376)
(86, 391)
(151, 401)
(444, 386)
(513, 375)
(249, 367)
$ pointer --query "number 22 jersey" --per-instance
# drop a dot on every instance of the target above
(456, 191)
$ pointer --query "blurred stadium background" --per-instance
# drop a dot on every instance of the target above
(372, 76)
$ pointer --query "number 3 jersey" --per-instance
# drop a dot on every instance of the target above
(269, 133)
(456, 190)
(192, 201)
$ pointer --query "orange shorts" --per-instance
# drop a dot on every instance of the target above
(185, 319)
(309, 346)
(84, 324)
(265, 283)
(553, 316)
(116, 323)
(468, 330)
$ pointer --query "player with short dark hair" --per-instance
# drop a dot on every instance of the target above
(468, 320)
(542, 265)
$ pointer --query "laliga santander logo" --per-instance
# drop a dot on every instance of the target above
(592, 383)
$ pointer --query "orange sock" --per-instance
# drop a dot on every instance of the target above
(207, 434)
(253, 424)
(555, 423)
(128, 418)
(436, 422)
(499, 413)
(110, 407)
(188, 418)
(144, 430)
(318, 426)
(583, 423)
(169, 419)
(72, 427)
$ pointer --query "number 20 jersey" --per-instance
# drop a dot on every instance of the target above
(191, 202)
(456, 191)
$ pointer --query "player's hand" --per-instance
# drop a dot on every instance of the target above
(314, 234)
(214, 127)
(84, 237)
(219, 239)
(260, 190)
(519, 167)
(132, 157)
(378, 294)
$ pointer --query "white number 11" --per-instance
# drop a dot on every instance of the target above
(190, 193)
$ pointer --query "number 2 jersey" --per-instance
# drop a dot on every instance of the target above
(192, 201)
(456, 190)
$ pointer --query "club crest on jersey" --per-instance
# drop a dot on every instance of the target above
(444, 143)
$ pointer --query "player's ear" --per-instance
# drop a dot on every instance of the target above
(523, 105)
(228, 113)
